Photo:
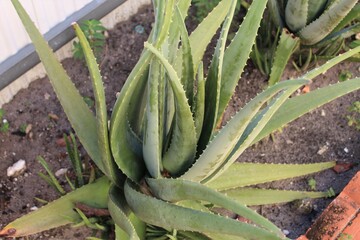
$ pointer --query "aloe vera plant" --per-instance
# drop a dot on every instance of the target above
(163, 156)
(315, 27)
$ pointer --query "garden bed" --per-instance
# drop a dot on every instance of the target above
(319, 136)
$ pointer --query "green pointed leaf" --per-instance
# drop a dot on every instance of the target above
(78, 113)
(322, 26)
(182, 149)
(296, 13)
(175, 190)
(164, 214)
(128, 161)
(351, 16)
(246, 174)
(299, 105)
(120, 212)
(254, 128)
(188, 75)
(256, 196)
(219, 149)
(285, 48)
(275, 11)
(61, 211)
(199, 107)
(329, 64)
(315, 8)
(152, 147)
(202, 35)
(213, 82)
(237, 54)
(100, 105)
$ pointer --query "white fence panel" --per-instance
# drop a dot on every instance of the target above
(45, 13)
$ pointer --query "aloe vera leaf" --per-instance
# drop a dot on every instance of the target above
(182, 149)
(164, 22)
(256, 196)
(188, 75)
(329, 64)
(174, 190)
(246, 174)
(128, 161)
(61, 211)
(322, 26)
(286, 46)
(100, 106)
(152, 147)
(351, 16)
(296, 13)
(254, 128)
(238, 52)
(224, 142)
(137, 105)
(199, 103)
(140, 228)
(202, 35)
(196, 205)
(298, 106)
(315, 8)
(78, 113)
(213, 82)
(120, 213)
(164, 214)
(275, 12)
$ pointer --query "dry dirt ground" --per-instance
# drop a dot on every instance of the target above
(299, 142)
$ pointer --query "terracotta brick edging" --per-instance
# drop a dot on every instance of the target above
(341, 219)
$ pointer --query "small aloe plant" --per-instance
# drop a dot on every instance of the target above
(164, 158)
(310, 24)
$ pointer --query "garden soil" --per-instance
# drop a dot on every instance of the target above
(322, 135)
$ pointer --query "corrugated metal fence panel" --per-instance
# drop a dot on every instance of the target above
(45, 13)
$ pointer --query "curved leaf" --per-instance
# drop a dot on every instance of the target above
(78, 113)
(226, 140)
(318, 29)
(175, 190)
(237, 54)
(181, 152)
(213, 82)
(164, 214)
(296, 13)
(299, 105)
(152, 147)
(61, 211)
(120, 212)
(100, 105)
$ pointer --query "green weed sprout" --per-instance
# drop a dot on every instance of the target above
(94, 33)
(4, 124)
